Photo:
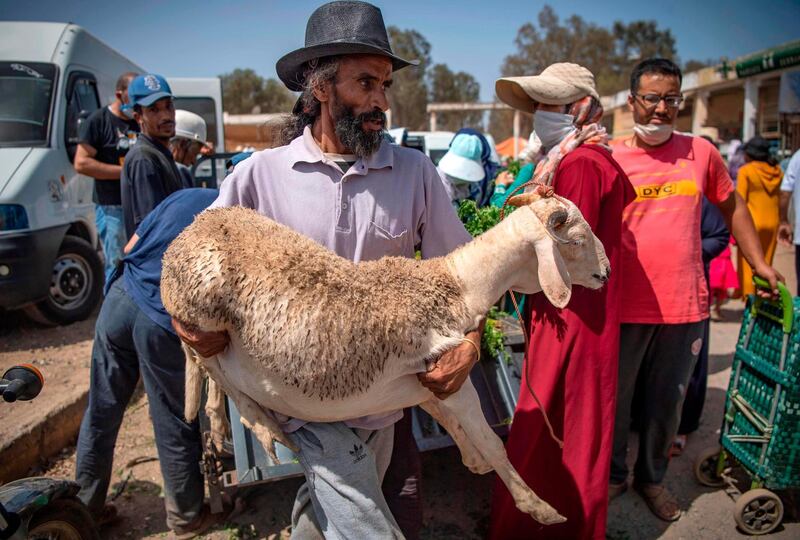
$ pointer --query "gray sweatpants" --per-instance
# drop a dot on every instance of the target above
(655, 363)
(344, 469)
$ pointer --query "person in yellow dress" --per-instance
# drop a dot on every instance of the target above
(758, 182)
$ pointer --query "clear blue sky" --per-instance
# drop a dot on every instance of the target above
(209, 37)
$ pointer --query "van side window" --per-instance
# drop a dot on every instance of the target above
(82, 100)
(206, 108)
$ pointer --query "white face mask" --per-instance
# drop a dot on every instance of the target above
(552, 127)
(458, 189)
(653, 134)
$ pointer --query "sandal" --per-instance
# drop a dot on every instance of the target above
(615, 490)
(678, 444)
(202, 523)
(660, 501)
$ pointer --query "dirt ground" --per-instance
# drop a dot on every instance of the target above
(456, 502)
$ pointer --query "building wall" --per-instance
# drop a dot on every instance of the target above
(725, 110)
(684, 121)
(767, 123)
(623, 122)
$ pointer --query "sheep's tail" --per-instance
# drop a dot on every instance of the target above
(194, 384)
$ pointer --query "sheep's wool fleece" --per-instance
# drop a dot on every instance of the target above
(317, 321)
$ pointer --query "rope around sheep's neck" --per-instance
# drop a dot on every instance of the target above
(544, 191)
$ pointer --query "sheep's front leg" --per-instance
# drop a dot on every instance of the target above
(470, 455)
(465, 406)
(254, 418)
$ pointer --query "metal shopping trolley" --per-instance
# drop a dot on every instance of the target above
(761, 426)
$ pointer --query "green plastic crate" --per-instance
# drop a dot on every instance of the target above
(762, 431)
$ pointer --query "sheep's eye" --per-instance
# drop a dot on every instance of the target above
(561, 224)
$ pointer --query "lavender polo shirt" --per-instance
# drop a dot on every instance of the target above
(390, 203)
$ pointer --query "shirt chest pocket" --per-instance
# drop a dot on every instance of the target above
(389, 238)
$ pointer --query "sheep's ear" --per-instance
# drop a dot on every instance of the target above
(553, 275)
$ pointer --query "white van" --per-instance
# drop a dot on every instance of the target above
(434, 144)
(52, 76)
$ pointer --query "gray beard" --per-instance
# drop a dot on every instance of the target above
(350, 130)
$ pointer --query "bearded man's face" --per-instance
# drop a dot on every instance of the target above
(358, 101)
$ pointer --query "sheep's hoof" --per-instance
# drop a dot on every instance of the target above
(541, 512)
(272, 453)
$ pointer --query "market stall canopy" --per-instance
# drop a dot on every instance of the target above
(506, 148)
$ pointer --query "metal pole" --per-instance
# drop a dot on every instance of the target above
(516, 134)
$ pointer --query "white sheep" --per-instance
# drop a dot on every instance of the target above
(318, 337)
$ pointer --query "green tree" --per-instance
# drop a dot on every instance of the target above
(501, 125)
(246, 92)
(275, 97)
(446, 86)
(634, 42)
(408, 97)
(694, 65)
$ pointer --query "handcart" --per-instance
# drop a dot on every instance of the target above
(761, 426)
(243, 462)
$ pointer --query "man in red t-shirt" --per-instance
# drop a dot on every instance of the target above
(664, 293)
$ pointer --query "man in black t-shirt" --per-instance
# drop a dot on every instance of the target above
(103, 141)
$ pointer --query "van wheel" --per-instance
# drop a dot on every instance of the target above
(76, 285)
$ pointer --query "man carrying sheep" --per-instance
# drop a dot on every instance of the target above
(339, 182)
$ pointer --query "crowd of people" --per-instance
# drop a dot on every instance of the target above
(632, 355)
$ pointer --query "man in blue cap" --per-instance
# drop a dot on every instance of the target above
(149, 174)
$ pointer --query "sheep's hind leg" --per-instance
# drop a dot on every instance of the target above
(470, 455)
(253, 416)
(215, 412)
(465, 406)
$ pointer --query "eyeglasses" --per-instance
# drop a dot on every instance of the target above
(651, 101)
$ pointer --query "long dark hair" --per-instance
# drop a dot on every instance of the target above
(319, 72)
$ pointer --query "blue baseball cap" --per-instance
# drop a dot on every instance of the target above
(146, 89)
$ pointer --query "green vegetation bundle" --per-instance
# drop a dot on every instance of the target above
(477, 221)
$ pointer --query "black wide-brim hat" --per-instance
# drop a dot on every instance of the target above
(339, 28)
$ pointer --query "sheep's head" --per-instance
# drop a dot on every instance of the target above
(567, 251)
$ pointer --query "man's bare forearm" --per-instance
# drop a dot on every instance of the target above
(784, 206)
(97, 169)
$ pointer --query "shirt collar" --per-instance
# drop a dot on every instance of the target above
(154, 143)
(304, 149)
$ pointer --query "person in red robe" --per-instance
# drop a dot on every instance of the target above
(573, 352)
